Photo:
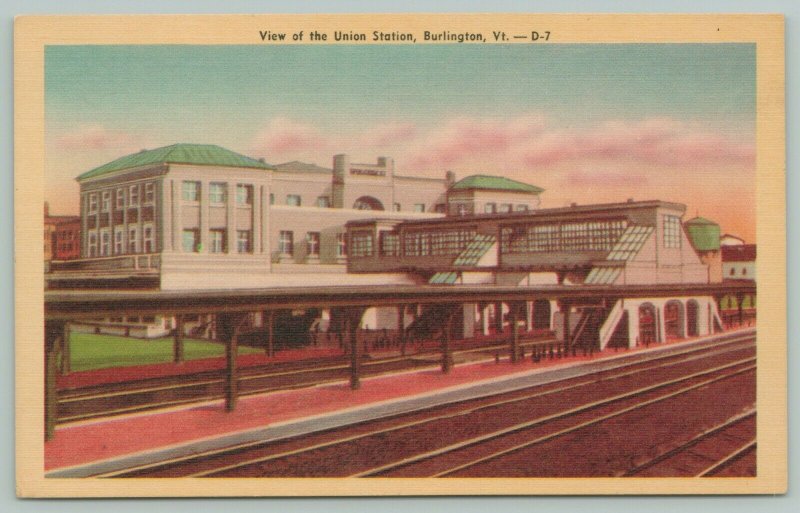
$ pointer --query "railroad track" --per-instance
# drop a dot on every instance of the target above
(258, 455)
(132, 397)
(706, 454)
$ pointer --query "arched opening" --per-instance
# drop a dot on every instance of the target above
(673, 320)
(647, 323)
(541, 314)
(368, 203)
(692, 318)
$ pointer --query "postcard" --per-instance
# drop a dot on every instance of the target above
(463, 254)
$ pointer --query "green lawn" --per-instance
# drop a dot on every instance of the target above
(90, 351)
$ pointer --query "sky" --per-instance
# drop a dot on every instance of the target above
(588, 122)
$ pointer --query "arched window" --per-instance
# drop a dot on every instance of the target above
(367, 203)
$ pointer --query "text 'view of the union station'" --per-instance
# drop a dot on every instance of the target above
(356, 287)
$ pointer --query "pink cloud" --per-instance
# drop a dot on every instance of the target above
(605, 179)
(96, 137)
(524, 142)
(388, 134)
(284, 137)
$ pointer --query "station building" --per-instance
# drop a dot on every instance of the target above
(192, 216)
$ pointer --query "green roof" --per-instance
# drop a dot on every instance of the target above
(495, 183)
(703, 233)
(197, 154)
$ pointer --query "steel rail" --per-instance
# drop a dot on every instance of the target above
(706, 352)
(563, 414)
(708, 433)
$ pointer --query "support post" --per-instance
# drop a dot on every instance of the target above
(740, 308)
(401, 327)
(447, 357)
(269, 317)
(228, 325)
(355, 364)
(498, 317)
(566, 306)
(66, 358)
(53, 332)
(177, 342)
(514, 333)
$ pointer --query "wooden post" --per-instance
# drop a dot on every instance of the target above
(66, 358)
(177, 342)
(447, 357)
(567, 335)
(514, 333)
(355, 365)
(53, 332)
(401, 326)
(228, 332)
(270, 322)
(498, 317)
(740, 308)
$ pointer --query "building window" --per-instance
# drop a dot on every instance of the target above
(505, 208)
(106, 205)
(93, 203)
(243, 241)
(149, 193)
(190, 239)
(341, 245)
(105, 242)
(119, 240)
(397, 207)
(92, 244)
(133, 196)
(548, 238)
(419, 207)
(463, 210)
(216, 193)
(440, 208)
(216, 241)
(390, 244)
(361, 244)
(672, 232)
(133, 239)
(312, 244)
(286, 242)
(244, 195)
(744, 271)
(148, 239)
(293, 200)
(490, 208)
(522, 208)
(190, 191)
(324, 202)
(271, 198)
(733, 271)
(120, 199)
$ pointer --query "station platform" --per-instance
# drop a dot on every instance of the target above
(97, 446)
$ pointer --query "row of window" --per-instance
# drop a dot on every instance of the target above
(503, 208)
(123, 196)
(191, 191)
(99, 242)
(420, 207)
(286, 244)
(443, 242)
(546, 238)
(217, 241)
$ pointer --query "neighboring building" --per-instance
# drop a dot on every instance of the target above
(739, 262)
(704, 236)
(61, 236)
